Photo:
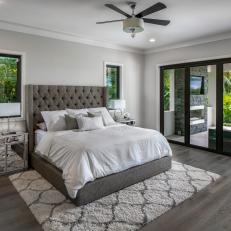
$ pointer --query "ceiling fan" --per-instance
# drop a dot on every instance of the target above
(134, 23)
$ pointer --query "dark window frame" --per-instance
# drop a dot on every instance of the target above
(219, 101)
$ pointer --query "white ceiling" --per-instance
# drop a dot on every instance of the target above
(190, 20)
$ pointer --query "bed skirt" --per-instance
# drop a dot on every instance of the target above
(102, 186)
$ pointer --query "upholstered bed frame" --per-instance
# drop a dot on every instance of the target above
(48, 98)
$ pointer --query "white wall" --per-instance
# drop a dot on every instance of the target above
(51, 61)
(152, 61)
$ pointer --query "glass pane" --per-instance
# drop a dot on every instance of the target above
(174, 111)
(203, 106)
(9, 90)
(113, 81)
(227, 108)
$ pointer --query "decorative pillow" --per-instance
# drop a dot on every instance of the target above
(74, 112)
(107, 119)
(95, 114)
(42, 126)
(89, 123)
(55, 120)
(71, 122)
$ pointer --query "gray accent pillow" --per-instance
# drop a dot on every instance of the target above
(71, 122)
(94, 114)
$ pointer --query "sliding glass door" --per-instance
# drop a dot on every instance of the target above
(203, 106)
(195, 104)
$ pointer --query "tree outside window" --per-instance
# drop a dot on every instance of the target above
(166, 90)
(9, 79)
(227, 99)
(113, 81)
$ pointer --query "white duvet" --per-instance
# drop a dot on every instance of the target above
(85, 156)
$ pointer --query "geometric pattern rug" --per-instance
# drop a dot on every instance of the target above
(128, 209)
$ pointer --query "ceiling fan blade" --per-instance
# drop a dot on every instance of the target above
(119, 20)
(157, 7)
(156, 21)
(113, 7)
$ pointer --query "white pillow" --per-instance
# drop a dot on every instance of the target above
(107, 119)
(89, 123)
(74, 112)
(55, 120)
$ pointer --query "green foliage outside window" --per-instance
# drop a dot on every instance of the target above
(113, 76)
(8, 79)
(166, 90)
(227, 99)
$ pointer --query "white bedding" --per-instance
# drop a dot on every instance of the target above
(85, 156)
(39, 133)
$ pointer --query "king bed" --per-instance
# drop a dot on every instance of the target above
(89, 165)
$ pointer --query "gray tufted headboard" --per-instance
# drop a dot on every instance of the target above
(51, 97)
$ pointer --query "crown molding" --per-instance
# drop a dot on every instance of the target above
(71, 37)
(210, 39)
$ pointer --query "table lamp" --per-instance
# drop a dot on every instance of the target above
(117, 104)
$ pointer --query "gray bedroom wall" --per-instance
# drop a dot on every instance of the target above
(51, 61)
(152, 61)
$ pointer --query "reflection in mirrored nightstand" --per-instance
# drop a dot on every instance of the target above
(9, 160)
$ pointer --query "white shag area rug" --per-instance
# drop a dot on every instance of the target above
(127, 210)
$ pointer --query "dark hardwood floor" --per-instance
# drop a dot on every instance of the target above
(208, 210)
(14, 213)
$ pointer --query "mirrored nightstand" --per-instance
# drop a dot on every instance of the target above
(130, 122)
(10, 161)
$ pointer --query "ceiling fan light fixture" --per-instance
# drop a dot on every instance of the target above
(133, 25)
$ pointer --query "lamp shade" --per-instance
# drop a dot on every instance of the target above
(133, 25)
(10, 109)
(117, 104)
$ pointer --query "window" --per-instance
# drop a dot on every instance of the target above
(113, 81)
(10, 82)
(10, 79)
